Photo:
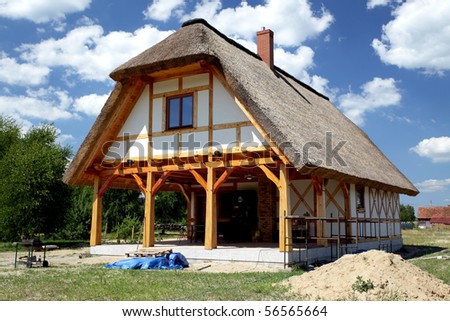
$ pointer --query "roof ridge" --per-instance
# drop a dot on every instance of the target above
(248, 51)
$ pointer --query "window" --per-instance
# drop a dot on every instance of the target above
(179, 111)
(359, 196)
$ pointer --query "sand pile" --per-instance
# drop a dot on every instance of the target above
(393, 279)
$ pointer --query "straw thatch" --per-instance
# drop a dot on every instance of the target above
(296, 117)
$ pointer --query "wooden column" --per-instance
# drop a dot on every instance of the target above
(96, 222)
(211, 214)
(285, 228)
(149, 216)
(320, 208)
(348, 215)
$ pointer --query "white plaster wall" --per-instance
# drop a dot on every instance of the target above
(301, 185)
(163, 146)
(225, 137)
(250, 137)
(195, 81)
(138, 149)
(203, 108)
(198, 141)
(225, 110)
(137, 121)
(157, 115)
(331, 209)
(165, 86)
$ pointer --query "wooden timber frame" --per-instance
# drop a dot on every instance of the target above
(180, 172)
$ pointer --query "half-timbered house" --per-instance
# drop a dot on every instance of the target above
(258, 155)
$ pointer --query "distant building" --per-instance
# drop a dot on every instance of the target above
(431, 215)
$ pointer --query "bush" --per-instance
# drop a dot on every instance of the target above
(362, 286)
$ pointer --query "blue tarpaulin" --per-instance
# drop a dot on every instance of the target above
(172, 261)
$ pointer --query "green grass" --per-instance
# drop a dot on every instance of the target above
(97, 283)
(430, 244)
(93, 282)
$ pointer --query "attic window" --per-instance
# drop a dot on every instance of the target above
(179, 111)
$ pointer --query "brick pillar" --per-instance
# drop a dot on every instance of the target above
(266, 207)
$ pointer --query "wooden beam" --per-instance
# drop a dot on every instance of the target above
(222, 179)
(270, 175)
(140, 183)
(96, 221)
(106, 185)
(285, 226)
(211, 214)
(348, 225)
(199, 178)
(320, 209)
(185, 167)
(160, 182)
(149, 214)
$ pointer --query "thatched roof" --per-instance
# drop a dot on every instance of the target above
(297, 117)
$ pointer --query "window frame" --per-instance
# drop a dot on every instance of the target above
(360, 197)
(180, 111)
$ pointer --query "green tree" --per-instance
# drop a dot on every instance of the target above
(77, 225)
(118, 204)
(170, 207)
(33, 198)
(407, 213)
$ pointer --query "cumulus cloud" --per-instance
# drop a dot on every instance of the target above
(435, 148)
(90, 53)
(22, 74)
(377, 93)
(90, 104)
(433, 185)
(273, 14)
(43, 104)
(417, 37)
(162, 10)
(41, 11)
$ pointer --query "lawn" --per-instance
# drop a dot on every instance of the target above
(93, 282)
(97, 283)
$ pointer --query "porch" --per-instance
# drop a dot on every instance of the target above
(258, 253)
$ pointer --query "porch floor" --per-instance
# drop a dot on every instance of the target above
(261, 253)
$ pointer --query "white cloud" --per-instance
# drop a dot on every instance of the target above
(433, 185)
(436, 148)
(375, 3)
(89, 53)
(273, 14)
(90, 104)
(41, 11)
(14, 73)
(417, 37)
(377, 93)
(161, 10)
(45, 104)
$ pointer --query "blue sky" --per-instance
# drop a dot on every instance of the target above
(384, 63)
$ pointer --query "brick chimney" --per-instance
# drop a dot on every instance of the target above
(265, 46)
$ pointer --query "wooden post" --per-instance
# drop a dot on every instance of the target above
(320, 205)
(149, 216)
(96, 222)
(211, 215)
(285, 228)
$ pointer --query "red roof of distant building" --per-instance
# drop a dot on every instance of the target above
(436, 214)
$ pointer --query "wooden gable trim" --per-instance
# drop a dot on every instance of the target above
(121, 108)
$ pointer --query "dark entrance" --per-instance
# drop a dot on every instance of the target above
(238, 219)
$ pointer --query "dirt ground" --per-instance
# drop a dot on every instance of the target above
(393, 278)
(81, 256)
